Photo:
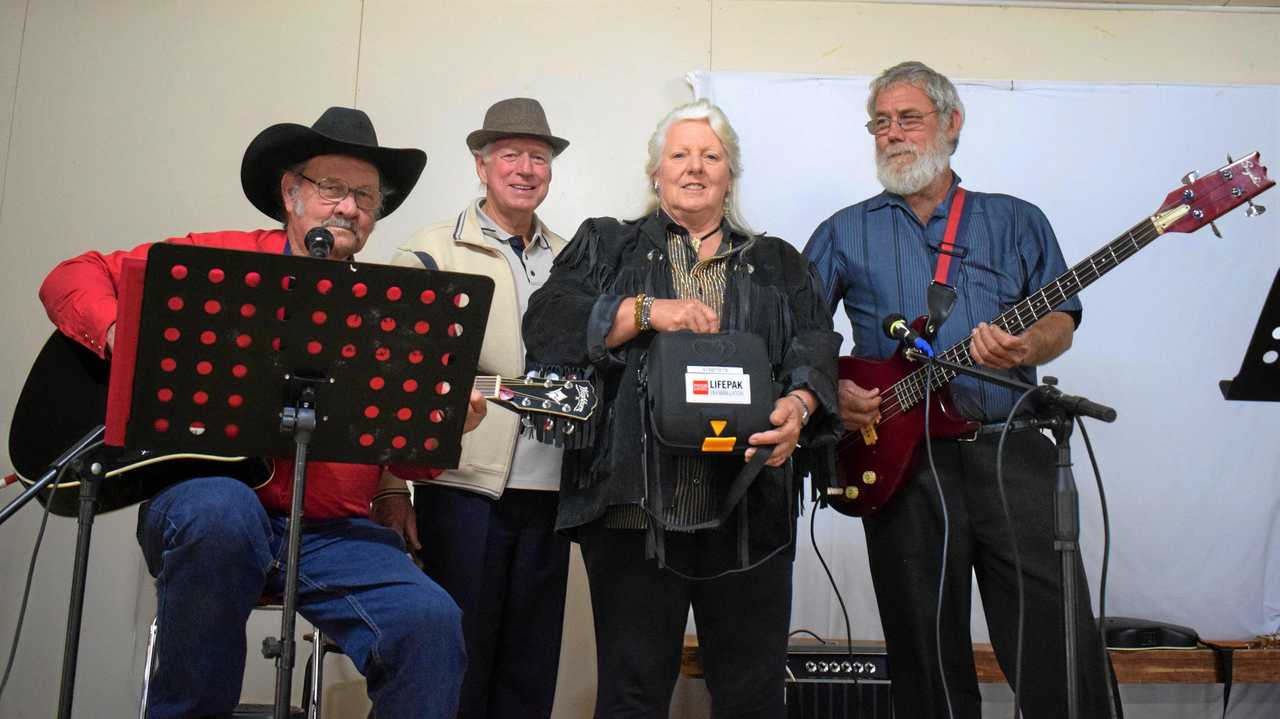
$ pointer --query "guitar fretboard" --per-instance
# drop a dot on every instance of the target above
(487, 385)
(909, 390)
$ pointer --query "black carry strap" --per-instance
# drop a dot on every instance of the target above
(737, 490)
(1223, 663)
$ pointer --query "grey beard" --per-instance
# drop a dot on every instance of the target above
(915, 176)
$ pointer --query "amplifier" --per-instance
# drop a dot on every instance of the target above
(828, 681)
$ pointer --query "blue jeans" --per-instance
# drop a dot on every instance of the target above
(214, 551)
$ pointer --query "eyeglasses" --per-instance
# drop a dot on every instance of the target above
(332, 189)
(908, 122)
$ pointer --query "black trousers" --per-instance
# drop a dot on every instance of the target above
(904, 541)
(507, 568)
(640, 613)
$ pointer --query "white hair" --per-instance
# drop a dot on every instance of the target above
(484, 152)
(940, 91)
(715, 117)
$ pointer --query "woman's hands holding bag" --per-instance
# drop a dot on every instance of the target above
(790, 412)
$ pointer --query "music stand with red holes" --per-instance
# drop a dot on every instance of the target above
(248, 354)
(1259, 376)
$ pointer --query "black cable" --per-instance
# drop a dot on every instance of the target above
(946, 540)
(1017, 556)
(813, 539)
(810, 632)
(26, 591)
(1106, 559)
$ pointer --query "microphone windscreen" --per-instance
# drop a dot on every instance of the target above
(318, 241)
(890, 321)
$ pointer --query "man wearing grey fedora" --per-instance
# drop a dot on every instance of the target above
(487, 528)
(213, 544)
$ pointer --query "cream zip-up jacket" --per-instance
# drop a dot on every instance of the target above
(460, 246)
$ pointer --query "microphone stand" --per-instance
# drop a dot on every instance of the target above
(90, 478)
(1064, 409)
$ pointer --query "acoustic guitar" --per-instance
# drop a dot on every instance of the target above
(65, 397)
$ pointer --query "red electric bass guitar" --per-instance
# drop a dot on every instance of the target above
(873, 462)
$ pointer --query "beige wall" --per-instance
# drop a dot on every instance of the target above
(124, 121)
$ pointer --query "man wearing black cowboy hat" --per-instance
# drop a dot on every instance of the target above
(213, 545)
(488, 527)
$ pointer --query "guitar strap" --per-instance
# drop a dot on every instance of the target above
(957, 220)
(941, 294)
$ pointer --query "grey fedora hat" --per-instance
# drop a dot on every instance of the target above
(339, 131)
(515, 117)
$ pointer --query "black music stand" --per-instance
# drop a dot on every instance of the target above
(251, 354)
(1259, 376)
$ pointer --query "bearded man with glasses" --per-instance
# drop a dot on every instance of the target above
(212, 543)
(878, 257)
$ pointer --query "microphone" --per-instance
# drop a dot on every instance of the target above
(1076, 405)
(896, 327)
(319, 242)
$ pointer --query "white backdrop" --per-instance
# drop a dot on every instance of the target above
(1191, 480)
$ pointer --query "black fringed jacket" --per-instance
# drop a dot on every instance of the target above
(771, 291)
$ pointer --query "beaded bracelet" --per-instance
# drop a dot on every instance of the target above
(646, 310)
(638, 312)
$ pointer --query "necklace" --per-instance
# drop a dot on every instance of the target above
(697, 241)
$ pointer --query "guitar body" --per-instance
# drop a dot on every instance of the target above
(870, 474)
(64, 398)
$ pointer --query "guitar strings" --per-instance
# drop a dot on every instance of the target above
(908, 391)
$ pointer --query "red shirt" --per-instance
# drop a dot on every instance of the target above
(80, 297)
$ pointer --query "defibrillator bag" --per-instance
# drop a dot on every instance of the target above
(704, 395)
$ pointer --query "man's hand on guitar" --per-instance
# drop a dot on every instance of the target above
(111, 339)
(992, 347)
(859, 407)
(476, 409)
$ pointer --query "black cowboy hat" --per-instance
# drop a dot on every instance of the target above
(516, 117)
(339, 131)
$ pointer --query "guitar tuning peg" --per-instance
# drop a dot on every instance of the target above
(1229, 160)
(1190, 177)
(1216, 232)
(1254, 210)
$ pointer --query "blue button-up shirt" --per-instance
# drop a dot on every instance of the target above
(878, 259)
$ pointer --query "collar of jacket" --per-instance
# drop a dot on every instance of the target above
(655, 226)
(467, 229)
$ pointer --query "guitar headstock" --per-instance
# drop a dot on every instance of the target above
(1207, 198)
(570, 398)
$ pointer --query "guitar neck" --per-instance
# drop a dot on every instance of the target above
(1022, 315)
(488, 385)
